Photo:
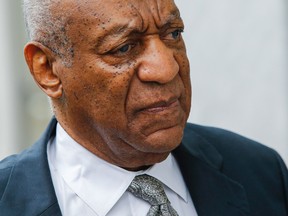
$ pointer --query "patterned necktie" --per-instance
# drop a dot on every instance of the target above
(150, 189)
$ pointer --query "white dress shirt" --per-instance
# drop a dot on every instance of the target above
(89, 186)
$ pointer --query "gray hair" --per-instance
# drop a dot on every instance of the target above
(48, 28)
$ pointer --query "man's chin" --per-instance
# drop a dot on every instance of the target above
(163, 140)
(147, 161)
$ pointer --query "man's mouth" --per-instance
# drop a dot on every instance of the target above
(160, 106)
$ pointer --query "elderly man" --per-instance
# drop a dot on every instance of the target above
(118, 78)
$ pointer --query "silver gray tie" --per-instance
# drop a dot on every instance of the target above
(150, 189)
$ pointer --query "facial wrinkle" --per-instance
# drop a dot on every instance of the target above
(158, 10)
(139, 16)
(154, 10)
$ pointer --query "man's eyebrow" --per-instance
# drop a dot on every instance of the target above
(174, 15)
(116, 31)
(173, 20)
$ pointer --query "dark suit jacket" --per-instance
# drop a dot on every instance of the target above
(227, 175)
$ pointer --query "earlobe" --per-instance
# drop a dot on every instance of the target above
(40, 62)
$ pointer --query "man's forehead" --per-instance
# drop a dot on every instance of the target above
(106, 9)
(94, 20)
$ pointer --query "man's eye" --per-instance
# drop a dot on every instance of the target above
(176, 34)
(125, 49)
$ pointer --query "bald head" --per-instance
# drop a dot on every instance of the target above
(46, 23)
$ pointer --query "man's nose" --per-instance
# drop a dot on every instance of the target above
(158, 63)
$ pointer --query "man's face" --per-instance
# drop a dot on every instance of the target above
(127, 96)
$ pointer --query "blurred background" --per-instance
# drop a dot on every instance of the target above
(238, 51)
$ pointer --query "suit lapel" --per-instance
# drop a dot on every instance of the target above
(212, 192)
(30, 189)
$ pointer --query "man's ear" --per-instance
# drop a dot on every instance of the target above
(40, 61)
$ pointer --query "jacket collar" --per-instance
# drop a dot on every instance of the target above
(212, 192)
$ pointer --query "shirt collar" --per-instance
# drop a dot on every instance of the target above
(168, 172)
(102, 184)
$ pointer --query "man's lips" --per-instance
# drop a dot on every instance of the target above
(160, 106)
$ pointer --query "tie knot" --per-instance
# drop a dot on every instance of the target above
(149, 189)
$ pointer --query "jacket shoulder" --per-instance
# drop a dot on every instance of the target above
(241, 158)
(226, 142)
(238, 154)
(257, 168)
